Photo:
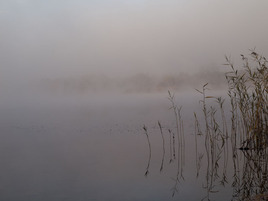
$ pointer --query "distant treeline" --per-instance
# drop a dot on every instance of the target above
(138, 83)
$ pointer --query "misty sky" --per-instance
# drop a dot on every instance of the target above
(54, 38)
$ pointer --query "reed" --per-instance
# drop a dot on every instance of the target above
(150, 151)
(248, 88)
(180, 142)
(163, 146)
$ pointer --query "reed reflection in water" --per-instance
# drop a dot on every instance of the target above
(218, 165)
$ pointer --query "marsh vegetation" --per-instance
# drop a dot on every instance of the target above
(230, 134)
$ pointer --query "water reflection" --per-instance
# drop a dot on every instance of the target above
(220, 161)
(252, 182)
(174, 148)
(246, 172)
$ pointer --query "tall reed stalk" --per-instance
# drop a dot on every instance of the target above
(150, 151)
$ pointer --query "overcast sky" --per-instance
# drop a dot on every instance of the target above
(54, 38)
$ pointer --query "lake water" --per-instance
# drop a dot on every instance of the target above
(94, 147)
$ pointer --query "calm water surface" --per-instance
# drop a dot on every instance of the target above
(93, 147)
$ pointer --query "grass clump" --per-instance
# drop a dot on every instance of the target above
(248, 91)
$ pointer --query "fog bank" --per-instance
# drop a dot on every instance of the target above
(48, 39)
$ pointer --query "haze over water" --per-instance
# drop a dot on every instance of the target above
(79, 80)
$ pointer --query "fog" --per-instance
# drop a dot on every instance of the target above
(122, 39)
(79, 80)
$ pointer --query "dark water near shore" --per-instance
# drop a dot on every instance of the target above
(94, 148)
